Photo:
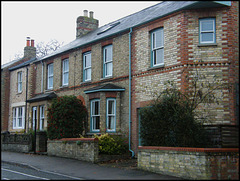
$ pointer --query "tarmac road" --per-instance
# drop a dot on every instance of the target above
(79, 169)
(22, 172)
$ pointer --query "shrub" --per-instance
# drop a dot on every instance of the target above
(112, 145)
(67, 117)
(170, 121)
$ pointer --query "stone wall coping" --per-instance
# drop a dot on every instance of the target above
(188, 149)
(75, 139)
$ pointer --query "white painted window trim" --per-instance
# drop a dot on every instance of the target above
(93, 115)
(50, 76)
(85, 68)
(111, 115)
(17, 117)
(65, 72)
(19, 79)
(154, 49)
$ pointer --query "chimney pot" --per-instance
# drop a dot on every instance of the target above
(28, 41)
(85, 13)
(91, 14)
(32, 43)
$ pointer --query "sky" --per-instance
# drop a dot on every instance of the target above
(47, 20)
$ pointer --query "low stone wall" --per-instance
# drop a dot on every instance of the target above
(85, 149)
(16, 142)
(191, 163)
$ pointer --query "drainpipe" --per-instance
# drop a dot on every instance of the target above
(130, 79)
(42, 78)
(25, 123)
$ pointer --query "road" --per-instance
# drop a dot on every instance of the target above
(21, 172)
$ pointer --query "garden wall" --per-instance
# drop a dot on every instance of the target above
(16, 142)
(191, 163)
(85, 149)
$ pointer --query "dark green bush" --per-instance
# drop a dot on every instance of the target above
(67, 117)
(170, 121)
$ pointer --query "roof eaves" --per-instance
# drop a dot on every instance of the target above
(22, 64)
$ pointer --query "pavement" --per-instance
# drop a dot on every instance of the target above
(115, 170)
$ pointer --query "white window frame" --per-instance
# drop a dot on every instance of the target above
(155, 48)
(94, 115)
(65, 71)
(34, 116)
(19, 79)
(112, 128)
(18, 116)
(107, 61)
(87, 57)
(213, 31)
(50, 76)
(41, 124)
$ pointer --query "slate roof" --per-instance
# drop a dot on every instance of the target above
(10, 63)
(124, 24)
(42, 97)
(103, 88)
(22, 64)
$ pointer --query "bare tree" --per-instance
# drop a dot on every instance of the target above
(45, 49)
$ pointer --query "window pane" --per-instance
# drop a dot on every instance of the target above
(96, 108)
(14, 117)
(88, 60)
(159, 38)
(65, 65)
(108, 69)
(50, 69)
(88, 74)
(207, 25)
(207, 37)
(159, 56)
(65, 78)
(111, 122)
(50, 82)
(110, 107)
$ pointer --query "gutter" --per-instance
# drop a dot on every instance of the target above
(130, 100)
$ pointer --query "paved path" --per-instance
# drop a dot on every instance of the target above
(80, 169)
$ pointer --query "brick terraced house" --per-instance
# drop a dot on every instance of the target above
(116, 69)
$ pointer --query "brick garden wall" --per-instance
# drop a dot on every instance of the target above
(191, 163)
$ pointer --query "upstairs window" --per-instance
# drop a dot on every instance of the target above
(19, 78)
(157, 45)
(107, 61)
(207, 31)
(50, 76)
(65, 71)
(87, 66)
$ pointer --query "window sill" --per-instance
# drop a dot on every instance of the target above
(85, 82)
(63, 86)
(18, 93)
(104, 78)
(156, 67)
(207, 44)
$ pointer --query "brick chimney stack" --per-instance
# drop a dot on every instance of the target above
(29, 50)
(85, 24)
